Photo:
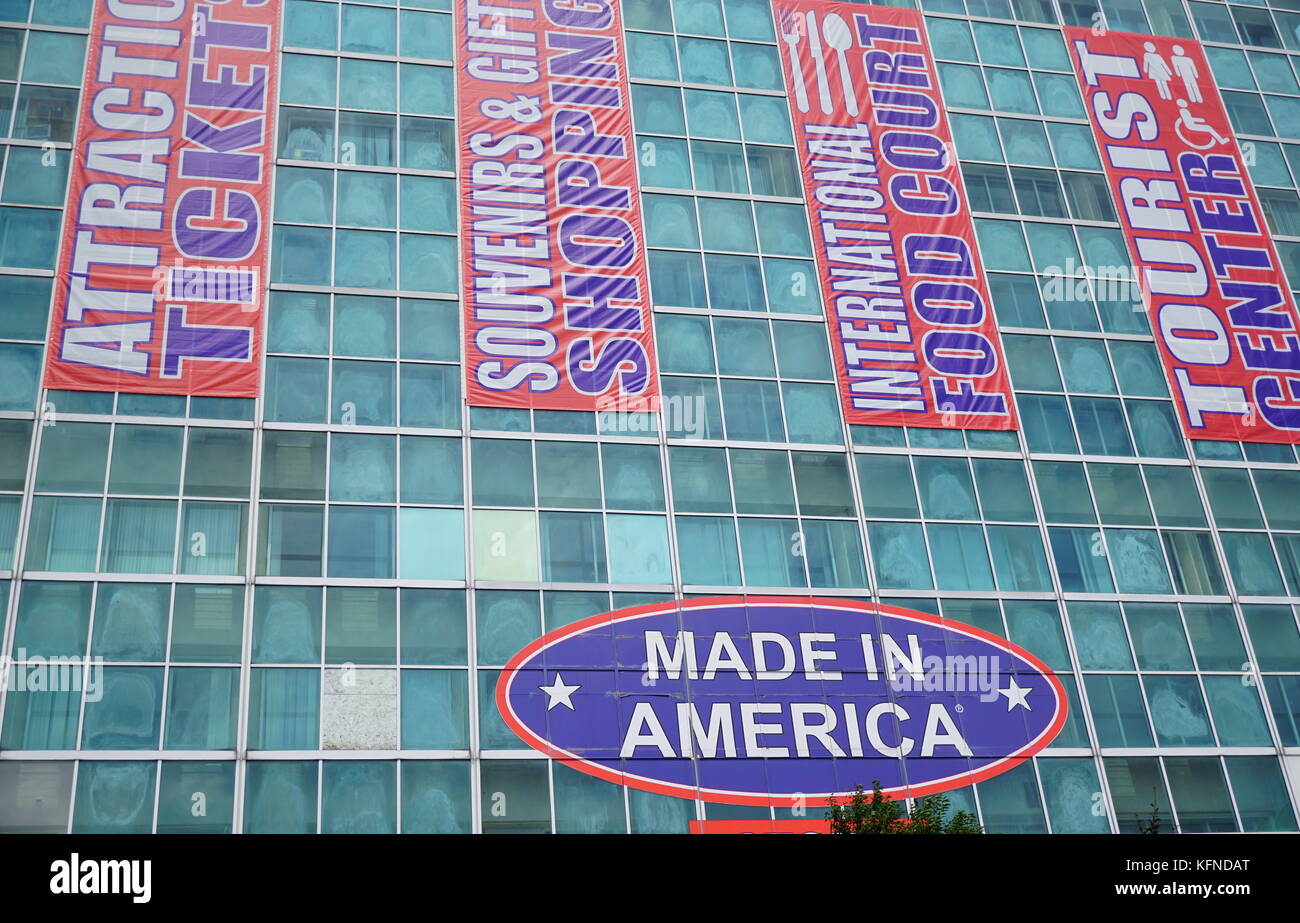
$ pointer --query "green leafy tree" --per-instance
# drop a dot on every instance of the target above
(874, 813)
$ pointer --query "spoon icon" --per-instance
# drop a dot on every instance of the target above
(840, 38)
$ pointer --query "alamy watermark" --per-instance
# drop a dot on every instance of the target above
(683, 416)
(1083, 282)
(22, 673)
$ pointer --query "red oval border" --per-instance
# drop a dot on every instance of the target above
(753, 798)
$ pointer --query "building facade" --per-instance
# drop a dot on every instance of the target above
(295, 608)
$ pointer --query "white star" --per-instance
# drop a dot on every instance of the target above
(560, 693)
(1016, 696)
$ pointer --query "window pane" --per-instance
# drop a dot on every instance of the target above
(1099, 636)
(1158, 639)
(1200, 794)
(114, 796)
(633, 477)
(128, 714)
(762, 481)
(638, 549)
(768, 547)
(1260, 791)
(280, 797)
(284, 709)
(435, 710)
(202, 708)
(568, 475)
(573, 547)
(707, 547)
(436, 796)
(1117, 710)
(898, 551)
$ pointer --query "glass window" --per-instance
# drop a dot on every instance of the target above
(1138, 790)
(752, 410)
(899, 555)
(1119, 494)
(284, 709)
(217, 462)
(361, 540)
(359, 796)
(73, 457)
(280, 795)
(436, 796)
(632, 476)
(744, 347)
(813, 412)
(947, 491)
(207, 623)
(833, 550)
(128, 713)
(1018, 558)
(293, 465)
(505, 545)
(638, 549)
(360, 625)
(707, 548)
(1238, 714)
(1260, 790)
(1278, 491)
(772, 550)
(1274, 636)
(1047, 424)
(202, 708)
(520, 792)
(502, 472)
(311, 25)
(765, 119)
(1215, 637)
(1251, 562)
(433, 628)
(180, 780)
(568, 475)
(1138, 561)
(1010, 802)
(27, 299)
(1080, 560)
(435, 710)
(1099, 636)
(1117, 710)
(573, 548)
(63, 534)
(822, 484)
(762, 481)
(1174, 495)
(887, 487)
(139, 536)
(1003, 489)
(670, 221)
(1231, 499)
(130, 621)
(114, 796)
(1200, 793)
(1158, 638)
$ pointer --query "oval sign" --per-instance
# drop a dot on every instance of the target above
(780, 701)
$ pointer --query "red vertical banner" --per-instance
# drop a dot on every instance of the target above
(160, 284)
(1220, 307)
(912, 327)
(553, 265)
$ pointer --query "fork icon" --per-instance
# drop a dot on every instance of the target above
(792, 31)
